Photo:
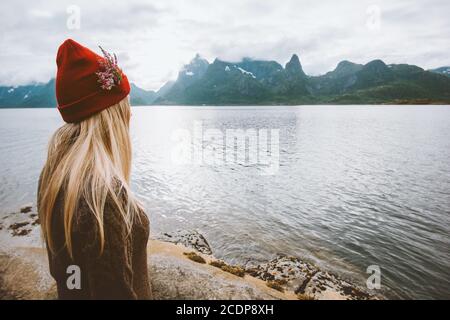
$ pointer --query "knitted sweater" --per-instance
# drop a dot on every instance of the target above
(120, 272)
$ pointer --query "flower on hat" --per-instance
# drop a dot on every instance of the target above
(110, 73)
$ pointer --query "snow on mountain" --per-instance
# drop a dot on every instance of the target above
(245, 72)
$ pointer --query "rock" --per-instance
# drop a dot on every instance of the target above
(21, 233)
(172, 274)
(18, 225)
(189, 239)
(175, 277)
(18, 229)
(24, 275)
(306, 279)
(327, 286)
(26, 208)
(290, 269)
(276, 284)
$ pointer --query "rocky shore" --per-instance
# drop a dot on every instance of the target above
(181, 266)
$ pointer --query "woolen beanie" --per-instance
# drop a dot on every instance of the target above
(87, 83)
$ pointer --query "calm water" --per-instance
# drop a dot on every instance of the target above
(356, 186)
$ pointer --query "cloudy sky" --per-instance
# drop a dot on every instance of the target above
(153, 39)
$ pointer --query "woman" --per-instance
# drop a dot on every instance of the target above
(95, 231)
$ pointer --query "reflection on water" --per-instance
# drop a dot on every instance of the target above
(356, 186)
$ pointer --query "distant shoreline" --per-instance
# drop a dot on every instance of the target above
(438, 103)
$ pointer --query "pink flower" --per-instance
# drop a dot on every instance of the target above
(109, 74)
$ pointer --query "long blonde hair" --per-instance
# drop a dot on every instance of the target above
(89, 160)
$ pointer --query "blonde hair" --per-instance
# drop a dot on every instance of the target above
(89, 160)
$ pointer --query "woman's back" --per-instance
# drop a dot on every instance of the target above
(119, 272)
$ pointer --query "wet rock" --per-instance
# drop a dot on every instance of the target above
(306, 280)
(292, 270)
(26, 208)
(189, 239)
(21, 232)
(18, 229)
(18, 225)
(276, 284)
(326, 284)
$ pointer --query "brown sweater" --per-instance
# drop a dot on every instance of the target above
(120, 272)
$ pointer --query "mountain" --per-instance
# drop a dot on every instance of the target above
(42, 95)
(442, 70)
(34, 95)
(293, 83)
(246, 82)
(337, 81)
(141, 97)
(222, 82)
(189, 74)
(378, 83)
(260, 82)
(267, 82)
(165, 88)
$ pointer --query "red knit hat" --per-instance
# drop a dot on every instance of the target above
(87, 83)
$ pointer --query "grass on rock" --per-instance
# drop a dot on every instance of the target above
(194, 257)
(236, 270)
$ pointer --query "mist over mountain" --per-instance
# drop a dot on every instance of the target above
(259, 82)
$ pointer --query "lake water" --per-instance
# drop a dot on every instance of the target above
(354, 186)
